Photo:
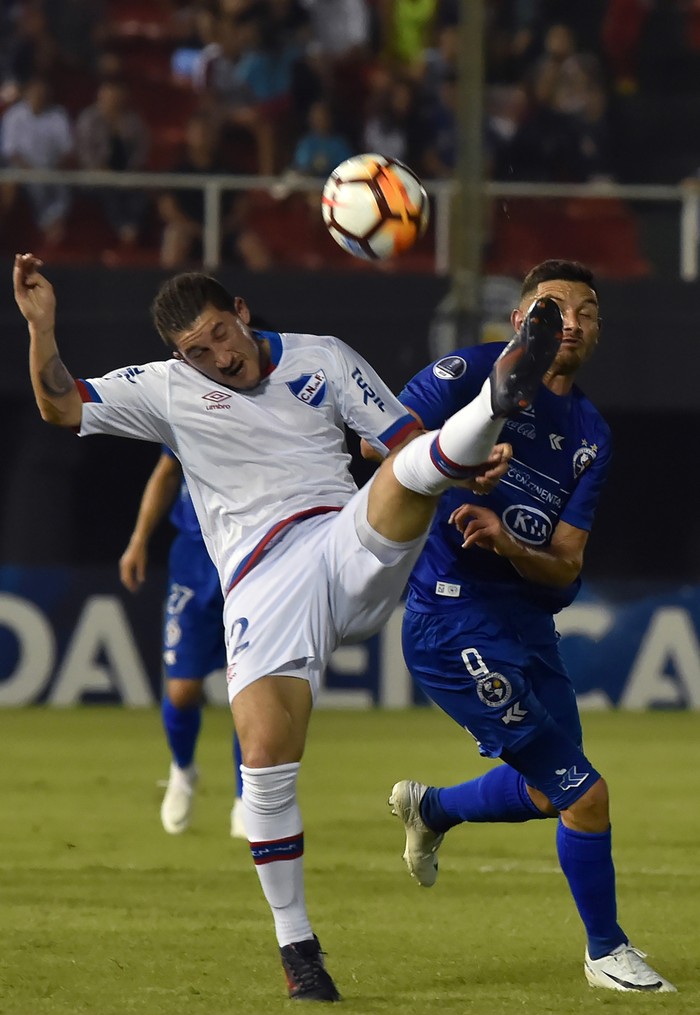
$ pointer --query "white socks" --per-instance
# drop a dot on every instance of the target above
(273, 823)
(432, 462)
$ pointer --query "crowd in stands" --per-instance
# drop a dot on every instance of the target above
(575, 92)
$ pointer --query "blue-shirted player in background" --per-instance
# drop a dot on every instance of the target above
(479, 635)
(193, 634)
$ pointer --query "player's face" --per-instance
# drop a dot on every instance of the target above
(220, 345)
(579, 310)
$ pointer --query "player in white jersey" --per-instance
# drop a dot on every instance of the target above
(305, 560)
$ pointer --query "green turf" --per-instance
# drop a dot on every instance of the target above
(101, 912)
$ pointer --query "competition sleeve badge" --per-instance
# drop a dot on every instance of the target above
(449, 368)
(309, 388)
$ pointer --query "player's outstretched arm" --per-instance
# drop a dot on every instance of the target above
(54, 388)
(558, 564)
(158, 495)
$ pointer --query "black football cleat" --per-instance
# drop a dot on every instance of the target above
(306, 974)
(517, 373)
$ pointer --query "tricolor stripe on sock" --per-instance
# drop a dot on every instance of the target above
(277, 849)
(446, 466)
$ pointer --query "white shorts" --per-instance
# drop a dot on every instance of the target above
(330, 579)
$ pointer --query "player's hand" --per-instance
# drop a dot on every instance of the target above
(489, 474)
(480, 526)
(34, 294)
(132, 567)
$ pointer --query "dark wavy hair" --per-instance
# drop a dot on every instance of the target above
(180, 301)
(548, 271)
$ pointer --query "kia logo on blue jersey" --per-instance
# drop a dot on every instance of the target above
(449, 368)
(528, 524)
(309, 388)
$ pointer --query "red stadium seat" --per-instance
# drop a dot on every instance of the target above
(598, 231)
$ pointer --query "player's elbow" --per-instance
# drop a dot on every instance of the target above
(567, 572)
(53, 415)
(368, 452)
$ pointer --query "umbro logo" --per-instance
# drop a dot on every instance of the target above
(217, 400)
(555, 440)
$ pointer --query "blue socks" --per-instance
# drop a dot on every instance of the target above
(498, 795)
(586, 859)
(501, 795)
(181, 729)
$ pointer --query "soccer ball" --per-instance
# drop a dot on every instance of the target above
(374, 206)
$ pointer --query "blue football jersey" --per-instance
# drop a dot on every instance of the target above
(561, 452)
(182, 514)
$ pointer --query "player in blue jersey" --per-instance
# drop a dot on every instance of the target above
(479, 635)
(193, 636)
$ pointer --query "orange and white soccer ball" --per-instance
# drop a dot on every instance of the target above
(374, 206)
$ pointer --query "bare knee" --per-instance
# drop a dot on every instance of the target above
(271, 718)
(591, 812)
(542, 802)
(184, 693)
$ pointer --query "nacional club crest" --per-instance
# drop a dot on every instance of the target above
(309, 388)
(584, 457)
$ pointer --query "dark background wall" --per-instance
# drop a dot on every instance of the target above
(69, 500)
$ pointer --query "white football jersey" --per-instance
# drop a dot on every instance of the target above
(255, 461)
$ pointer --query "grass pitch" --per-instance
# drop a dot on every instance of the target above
(102, 912)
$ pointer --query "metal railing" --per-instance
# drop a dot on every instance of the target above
(685, 196)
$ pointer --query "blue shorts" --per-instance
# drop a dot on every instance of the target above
(495, 668)
(193, 627)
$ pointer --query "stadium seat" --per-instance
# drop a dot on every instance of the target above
(297, 238)
(601, 232)
(133, 17)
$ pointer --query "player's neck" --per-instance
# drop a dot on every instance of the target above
(558, 384)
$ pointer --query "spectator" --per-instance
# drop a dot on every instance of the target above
(407, 28)
(78, 28)
(439, 61)
(182, 210)
(393, 126)
(621, 36)
(321, 148)
(562, 77)
(565, 135)
(194, 27)
(440, 155)
(110, 134)
(31, 52)
(36, 134)
(223, 75)
(340, 29)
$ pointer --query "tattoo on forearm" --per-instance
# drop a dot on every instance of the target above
(55, 379)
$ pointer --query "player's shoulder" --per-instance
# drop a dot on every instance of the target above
(317, 351)
(138, 372)
(592, 421)
(462, 362)
(590, 411)
(298, 340)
